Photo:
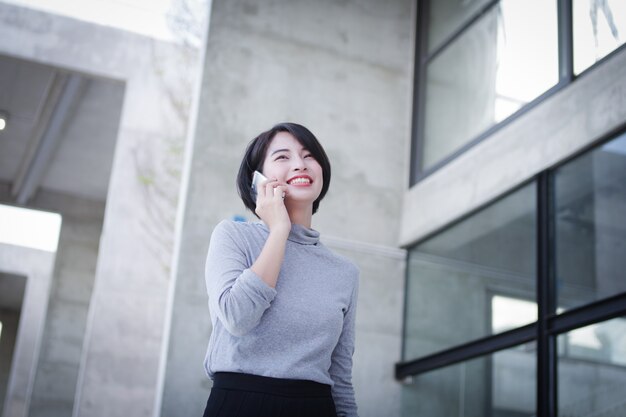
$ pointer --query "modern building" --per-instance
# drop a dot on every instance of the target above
(96, 133)
(479, 183)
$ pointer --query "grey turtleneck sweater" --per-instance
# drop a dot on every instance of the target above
(302, 329)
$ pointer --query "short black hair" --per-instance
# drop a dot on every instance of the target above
(255, 156)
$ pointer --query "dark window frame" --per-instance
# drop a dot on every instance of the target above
(549, 324)
(423, 57)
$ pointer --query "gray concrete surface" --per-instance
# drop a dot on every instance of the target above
(70, 294)
(343, 69)
(561, 125)
(12, 289)
(37, 266)
(124, 328)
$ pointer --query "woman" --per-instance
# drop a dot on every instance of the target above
(282, 305)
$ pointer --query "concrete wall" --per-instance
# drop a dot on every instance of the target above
(54, 378)
(12, 289)
(70, 293)
(118, 373)
(565, 123)
(10, 321)
(37, 266)
(343, 69)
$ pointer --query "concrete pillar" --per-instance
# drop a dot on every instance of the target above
(37, 266)
(343, 69)
(122, 346)
(74, 274)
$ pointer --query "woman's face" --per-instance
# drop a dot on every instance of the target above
(290, 163)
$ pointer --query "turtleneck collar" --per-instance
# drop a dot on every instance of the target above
(301, 234)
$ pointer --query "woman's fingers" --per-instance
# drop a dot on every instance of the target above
(275, 188)
(280, 191)
(271, 188)
(271, 206)
(262, 188)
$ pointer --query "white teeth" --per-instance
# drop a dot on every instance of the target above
(300, 181)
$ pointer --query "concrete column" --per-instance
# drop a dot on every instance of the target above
(343, 69)
(74, 273)
(122, 345)
(37, 266)
(121, 355)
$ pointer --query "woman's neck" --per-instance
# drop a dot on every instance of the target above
(301, 215)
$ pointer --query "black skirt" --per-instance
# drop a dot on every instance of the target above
(244, 395)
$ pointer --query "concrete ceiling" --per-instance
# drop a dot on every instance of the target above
(61, 132)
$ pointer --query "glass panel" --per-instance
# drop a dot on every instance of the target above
(447, 16)
(481, 270)
(592, 370)
(499, 385)
(488, 73)
(590, 204)
(599, 28)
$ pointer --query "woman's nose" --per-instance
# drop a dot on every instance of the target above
(299, 164)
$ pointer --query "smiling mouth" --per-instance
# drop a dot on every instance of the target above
(300, 181)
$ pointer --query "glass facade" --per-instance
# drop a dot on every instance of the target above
(490, 71)
(540, 269)
(446, 17)
(592, 370)
(499, 385)
(472, 289)
(481, 61)
(483, 266)
(599, 29)
(590, 205)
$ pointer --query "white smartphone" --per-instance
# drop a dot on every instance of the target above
(257, 178)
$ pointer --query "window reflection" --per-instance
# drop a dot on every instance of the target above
(501, 385)
(509, 313)
(599, 28)
(453, 276)
(488, 73)
(448, 16)
(590, 194)
(592, 370)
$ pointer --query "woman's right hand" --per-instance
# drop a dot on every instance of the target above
(270, 206)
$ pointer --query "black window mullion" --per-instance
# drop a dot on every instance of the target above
(546, 297)
(419, 88)
(467, 351)
(566, 41)
(596, 312)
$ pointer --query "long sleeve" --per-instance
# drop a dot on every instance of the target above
(237, 296)
(303, 329)
(341, 365)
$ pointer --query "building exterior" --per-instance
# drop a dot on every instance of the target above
(97, 133)
(515, 290)
(478, 152)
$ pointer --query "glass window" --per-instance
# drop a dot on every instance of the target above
(590, 194)
(448, 16)
(489, 72)
(473, 279)
(500, 385)
(509, 313)
(599, 28)
(592, 370)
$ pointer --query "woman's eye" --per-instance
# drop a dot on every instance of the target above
(280, 157)
(308, 155)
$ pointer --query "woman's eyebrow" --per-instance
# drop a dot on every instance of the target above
(279, 150)
(287, 150)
